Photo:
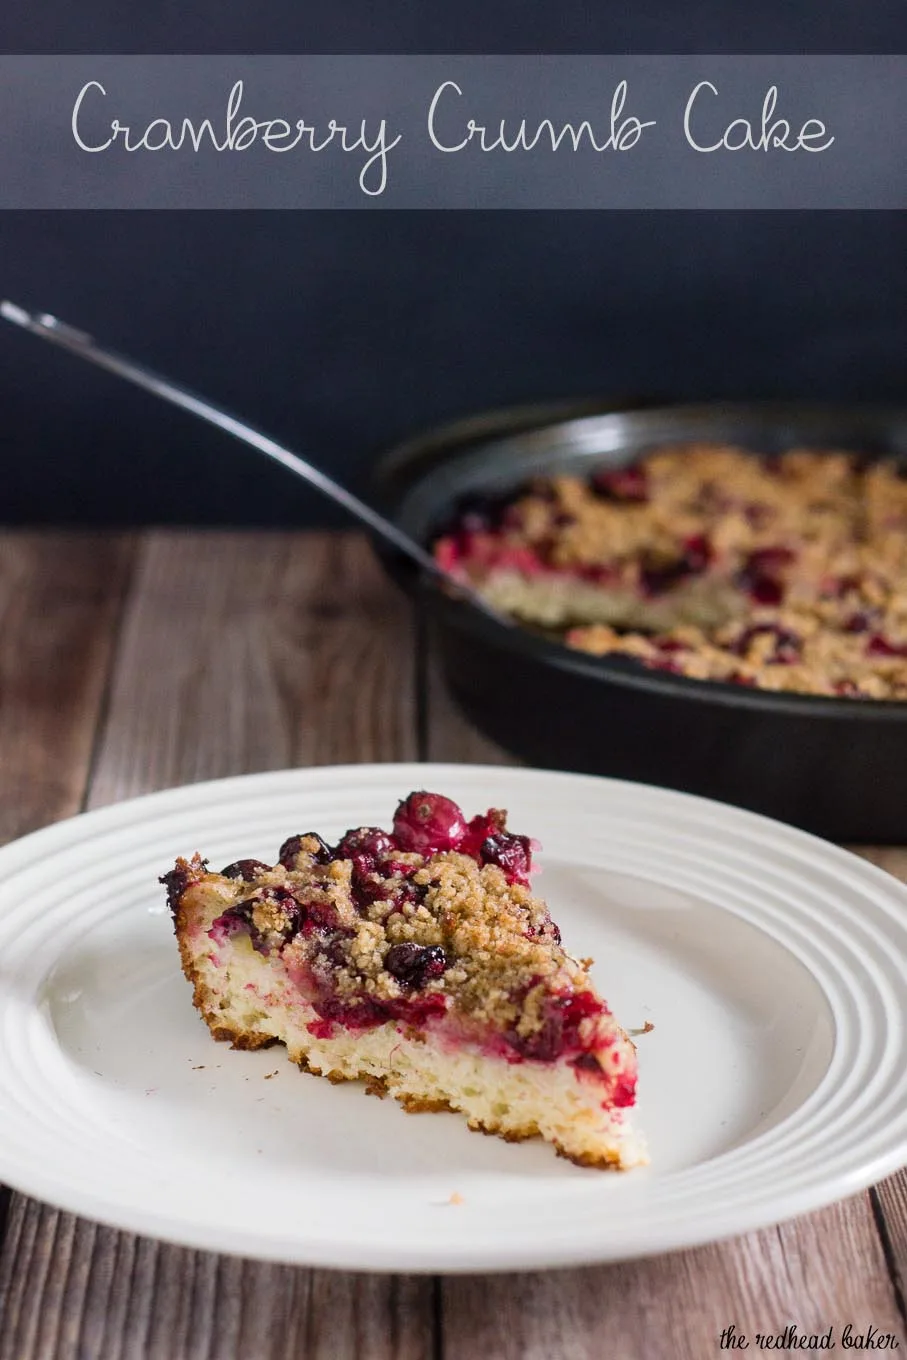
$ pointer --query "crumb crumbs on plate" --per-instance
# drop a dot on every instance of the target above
(456, 1198)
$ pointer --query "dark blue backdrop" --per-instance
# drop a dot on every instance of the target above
(344, 332)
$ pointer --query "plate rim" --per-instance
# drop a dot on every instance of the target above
(60, 836)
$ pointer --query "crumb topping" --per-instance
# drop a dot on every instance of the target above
(786, 572)
(498, 941)
(375, 931)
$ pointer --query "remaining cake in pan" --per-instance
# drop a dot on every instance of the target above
(786, 572)
(419, 960)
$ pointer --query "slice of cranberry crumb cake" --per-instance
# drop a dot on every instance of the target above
(419, 960)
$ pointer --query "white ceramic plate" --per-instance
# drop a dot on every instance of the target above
(773, 967)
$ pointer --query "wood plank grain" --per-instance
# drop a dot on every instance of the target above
(244, 652)
(83, 1290)
(890, 1200)
(823, 1271)
(828, 1269)
(238, 652)
(60, 596)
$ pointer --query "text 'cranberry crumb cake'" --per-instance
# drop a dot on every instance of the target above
(783, 572)
(419, 960)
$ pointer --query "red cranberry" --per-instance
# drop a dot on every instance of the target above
(291, 848)
(738, 678)
(400, 867)
(365, 848)
(512, 518)
(847, 688)
(693, 560)
(786, 648)
(357, 1013)
(413, 965)
(577, 1008)
(513, 854)
(697, 553)
(178, 879)
(447, 554)
(544, 549)
(587, 1062)
(787, 644)
(881, 646)
(288, 851)
(845, 584)
(336, 948)
(770, 559)
(765, 590)
(246, 869)
(318, 916)
(365, 840)
(858, 622)
(547, 930)
(545, 1044)
(760, 574)
(623, 1090)
(418, 1009)
(231, 922)
(367, 886)
(597, 572)
(559, 1031)
(482, 826)
(293, 912)
(402, 893)
(239, 918)
(623, 484)
(425, 823)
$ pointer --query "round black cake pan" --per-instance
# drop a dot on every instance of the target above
(837, 767)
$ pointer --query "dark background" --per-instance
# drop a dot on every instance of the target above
(343, 332)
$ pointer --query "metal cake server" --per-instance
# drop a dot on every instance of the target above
(78, 342)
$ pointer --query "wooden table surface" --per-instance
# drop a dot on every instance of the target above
(135, 662)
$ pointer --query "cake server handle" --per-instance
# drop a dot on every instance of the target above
(78, 342)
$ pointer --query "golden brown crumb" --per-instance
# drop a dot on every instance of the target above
(801, 586)
(497, 937)
(459, 940)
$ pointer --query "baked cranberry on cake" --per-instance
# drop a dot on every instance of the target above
(417, 959)
(784, 572)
